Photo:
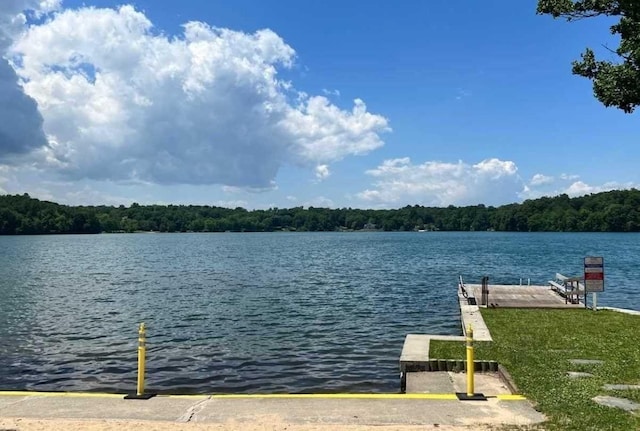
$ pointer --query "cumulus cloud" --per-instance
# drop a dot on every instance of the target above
(3, 178)
(569, 184)
(324, 133)
(231, 204)
(21, 125)
(399, 181)
(569, 177)
(234, 189)
(580, 188)
(86, 195)
(322, 172)
(319, 202)
(123, 102)
(331, 92)
(495, 169)
(539, 179)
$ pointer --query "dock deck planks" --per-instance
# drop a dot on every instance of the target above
(515, 296)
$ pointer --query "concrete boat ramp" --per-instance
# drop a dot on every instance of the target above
(267, 412)
(428, 399)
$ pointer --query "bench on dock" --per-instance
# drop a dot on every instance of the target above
(569, 287)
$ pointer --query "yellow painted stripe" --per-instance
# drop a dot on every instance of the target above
(351, 396)
(267, 396)
(509, 397)
(59, 394)
(344, 396)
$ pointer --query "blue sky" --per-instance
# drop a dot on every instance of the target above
(287, 103)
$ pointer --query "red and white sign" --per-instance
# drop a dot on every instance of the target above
(594, 274)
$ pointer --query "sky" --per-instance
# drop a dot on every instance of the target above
(282, 103)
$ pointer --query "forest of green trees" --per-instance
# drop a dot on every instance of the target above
(613, 211)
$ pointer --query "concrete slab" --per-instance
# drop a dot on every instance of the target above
(621, 387)
(451, 382)
(390, 409)
(586, 361)
(430, 382)
(370, 412)
(470, 315)
(620, 403)
(578, 375)
(158, 408)
(485, 383)
(415, 350)
(6, 402)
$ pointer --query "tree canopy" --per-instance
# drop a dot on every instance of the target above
(614, 211)
(614, 83)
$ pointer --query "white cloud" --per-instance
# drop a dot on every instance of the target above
(13, 18)
(3, 178)
(319, 202)
(570, 184)
(88, 196)
(331, 92)
(291, 198)
(462, 94)
(46, 6)
(21, 124)
(231, 204)
(233, 189)
(400, 182)
(540, 179)
(324, 133)
(495, 168)
(322, 172)
(123, 102)
(569, 177)
(580, 188)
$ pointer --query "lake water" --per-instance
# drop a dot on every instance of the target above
(272, 312)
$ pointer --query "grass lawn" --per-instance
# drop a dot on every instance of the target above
(535, 346)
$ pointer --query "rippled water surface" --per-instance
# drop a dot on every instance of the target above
(273, 312)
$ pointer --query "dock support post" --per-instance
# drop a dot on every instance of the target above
(470, 395)
(485, 291)
(142, 350)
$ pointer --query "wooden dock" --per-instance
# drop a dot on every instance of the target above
(515, 296)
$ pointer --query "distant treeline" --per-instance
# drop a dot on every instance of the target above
(614, 211)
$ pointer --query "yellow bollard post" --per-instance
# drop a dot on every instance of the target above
(142, 351)
(470, 363)
(470, 395)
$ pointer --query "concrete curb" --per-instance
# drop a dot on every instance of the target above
(621, 310)
(507, 379)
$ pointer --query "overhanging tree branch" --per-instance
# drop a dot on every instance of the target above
(614, 84)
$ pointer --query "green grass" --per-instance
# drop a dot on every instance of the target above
(535, 346)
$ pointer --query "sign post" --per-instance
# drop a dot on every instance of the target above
(593, 277)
